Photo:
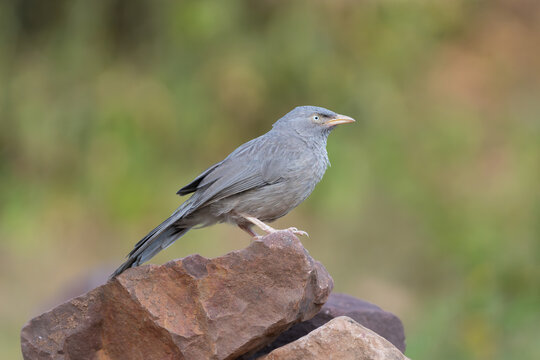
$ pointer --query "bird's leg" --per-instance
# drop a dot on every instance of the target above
(261, 225)
(247, 228)
(267, 228)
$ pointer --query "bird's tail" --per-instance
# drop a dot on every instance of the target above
(158, 239)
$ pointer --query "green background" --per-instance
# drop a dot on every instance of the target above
(431, 208)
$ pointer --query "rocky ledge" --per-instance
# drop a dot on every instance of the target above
(229, 307)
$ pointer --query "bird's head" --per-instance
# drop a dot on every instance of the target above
(311, 121)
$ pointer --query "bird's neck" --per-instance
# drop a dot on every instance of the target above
(315, 145)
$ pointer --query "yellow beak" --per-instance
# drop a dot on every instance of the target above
(340, 119)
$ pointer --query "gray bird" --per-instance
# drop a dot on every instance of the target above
(260, 181)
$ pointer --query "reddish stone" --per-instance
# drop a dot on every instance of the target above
(192, 308)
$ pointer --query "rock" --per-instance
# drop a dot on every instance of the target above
(192, 308)
(341, 338)
(385, 324)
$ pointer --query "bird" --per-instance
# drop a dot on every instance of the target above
(259, 182)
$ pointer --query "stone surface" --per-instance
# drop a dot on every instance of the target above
(371, 316)
(341, 339)
(192, 308)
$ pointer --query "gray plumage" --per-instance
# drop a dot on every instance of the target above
(264, 178)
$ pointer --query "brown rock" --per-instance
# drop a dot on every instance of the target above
(192, 308)
(383, 323)
(341, 338)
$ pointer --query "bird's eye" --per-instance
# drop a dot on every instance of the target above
(316, 117)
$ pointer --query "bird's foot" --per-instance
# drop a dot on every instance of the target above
(268, 229)
(297, 232)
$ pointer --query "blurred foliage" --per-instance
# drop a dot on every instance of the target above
(431, 208)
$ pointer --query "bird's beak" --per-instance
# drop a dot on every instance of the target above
(338, 120)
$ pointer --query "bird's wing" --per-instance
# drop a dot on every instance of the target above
(254, 164)
(192, 186)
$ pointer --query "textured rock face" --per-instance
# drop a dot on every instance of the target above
(383, 323)
(193, 308)
(341, 338)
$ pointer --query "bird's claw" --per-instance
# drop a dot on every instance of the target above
(256, 238)
(298, 232)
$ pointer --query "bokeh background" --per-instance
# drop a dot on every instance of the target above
(431, 208)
